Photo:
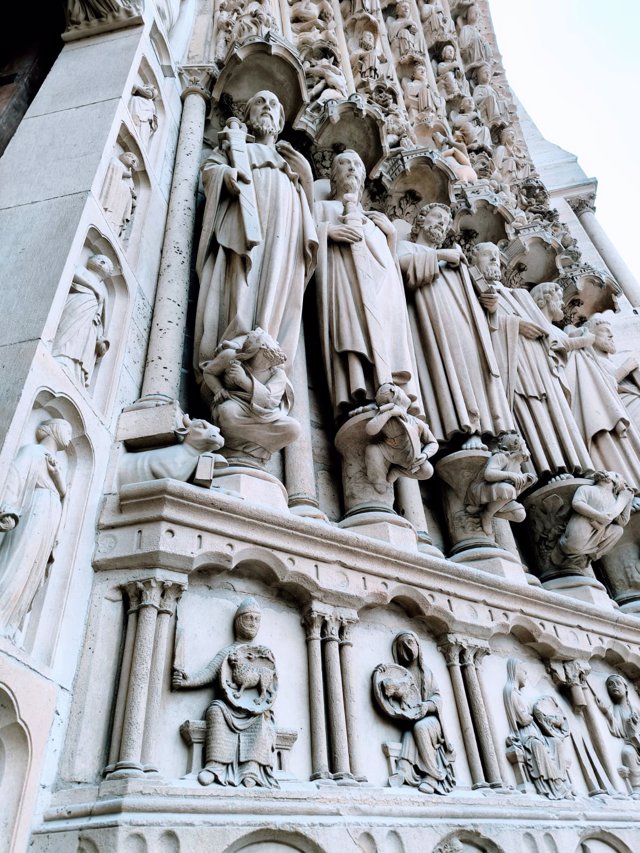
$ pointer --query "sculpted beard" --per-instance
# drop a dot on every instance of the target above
(350, 184)
(491, 270)
(436, 233)
(265, 126)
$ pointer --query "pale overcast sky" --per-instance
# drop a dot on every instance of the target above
(575, 65)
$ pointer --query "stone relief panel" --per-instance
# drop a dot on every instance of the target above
(409, 712)
(219, 660)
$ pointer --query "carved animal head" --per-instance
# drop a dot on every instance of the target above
(200, 434)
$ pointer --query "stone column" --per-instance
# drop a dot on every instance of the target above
(335, 699)
(451, 651)
(348, 672)
(132, 596)
(130, 758)
(313, 621)
(479, 714)
(299, 473)
(480, 654)
(171, 592)
(410, 506)
(161, 382)
(584, 208)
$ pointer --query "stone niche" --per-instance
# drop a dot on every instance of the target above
(148, 113)
(204, 626)
(39, 631)
(125, 192)
(98, 378)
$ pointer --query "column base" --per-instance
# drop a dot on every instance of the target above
(253, 486)
(495, 560)
(385, 526)
(125, 770)
(308, 510)
(582, 588)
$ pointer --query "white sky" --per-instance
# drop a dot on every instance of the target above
(575, 65)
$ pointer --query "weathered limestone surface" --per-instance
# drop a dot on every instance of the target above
(320, 473)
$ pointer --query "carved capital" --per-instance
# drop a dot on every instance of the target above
(150, 592)
(332, 627)
(348, 618)
(171, 593)
(196, 80)
(313, 620)
(582, 203)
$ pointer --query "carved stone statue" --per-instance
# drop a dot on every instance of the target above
(420, 101)
(119, 191)
(449, 75)
(613, 443)
(624, 723)
(512, 162)
(407, 693)
(144, 112)
(494, 491)
(80, 341)
(258, 243)
(626, 374)
(537, 733)
(367, 61)
(599, 514)
(404, 35)
(81, 12)
(459, 374)
(401, 443)
(251, 396)
(398, 130)
(474, 48)
(436, 23)
(490, 105)
(532, 379)
(325, 81)
(34, 495)
(240, 737)
(364, 326)
(466, 120)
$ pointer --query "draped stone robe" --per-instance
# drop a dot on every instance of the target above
(242, 287)
(459, 373)
(364, 325)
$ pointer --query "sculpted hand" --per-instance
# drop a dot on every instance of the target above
(220, 396)
(344, 234)
(235, 375)
(453, 257)
(231, 179)
(489, 302)
(380, 220)
(52, 463)
(178, 678)
(531, 330)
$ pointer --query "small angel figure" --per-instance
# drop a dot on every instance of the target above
(403, 443)
(494, 491)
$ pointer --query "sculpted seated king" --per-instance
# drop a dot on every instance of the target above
(240, 736)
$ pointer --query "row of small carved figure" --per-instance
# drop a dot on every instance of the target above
(240, 730)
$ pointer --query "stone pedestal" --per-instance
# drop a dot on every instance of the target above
(150, 423)
(252, 485)
(548, 511)
(621, 567)
(367, 510)
(471, 544)
(580, 587)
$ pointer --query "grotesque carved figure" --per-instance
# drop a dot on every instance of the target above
(119, 191)
(144, 111)
(34, 494)
(178, 461)
(624, 723)
(363, 317)
(258, 242)
(459, 375)
(493, 493)
(80, 341)
(599, 514)
(251, 396)
(406, 692)
(401, 443)
(240, 736)
(535, 742)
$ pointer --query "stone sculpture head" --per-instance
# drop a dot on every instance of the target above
(101, 264)
(55, 433)
(516, 673)
(258, 345)
(367, 40)
(431, 224)
(472, 14)
(246, 622)
(149, 92)
(128, 158)
(486, 256)
(617, 689)
(615, 480)
(403, 10)
(348, 174)
(264, 114)
(512, 443)
(601, 328)
(483, 74)
(390, 393)
(406, 648)
(508, 137)
(448, 53)
(548, 297)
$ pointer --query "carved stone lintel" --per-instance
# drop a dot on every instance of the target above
(91, 17)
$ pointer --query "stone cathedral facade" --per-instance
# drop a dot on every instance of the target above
(320, 443)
